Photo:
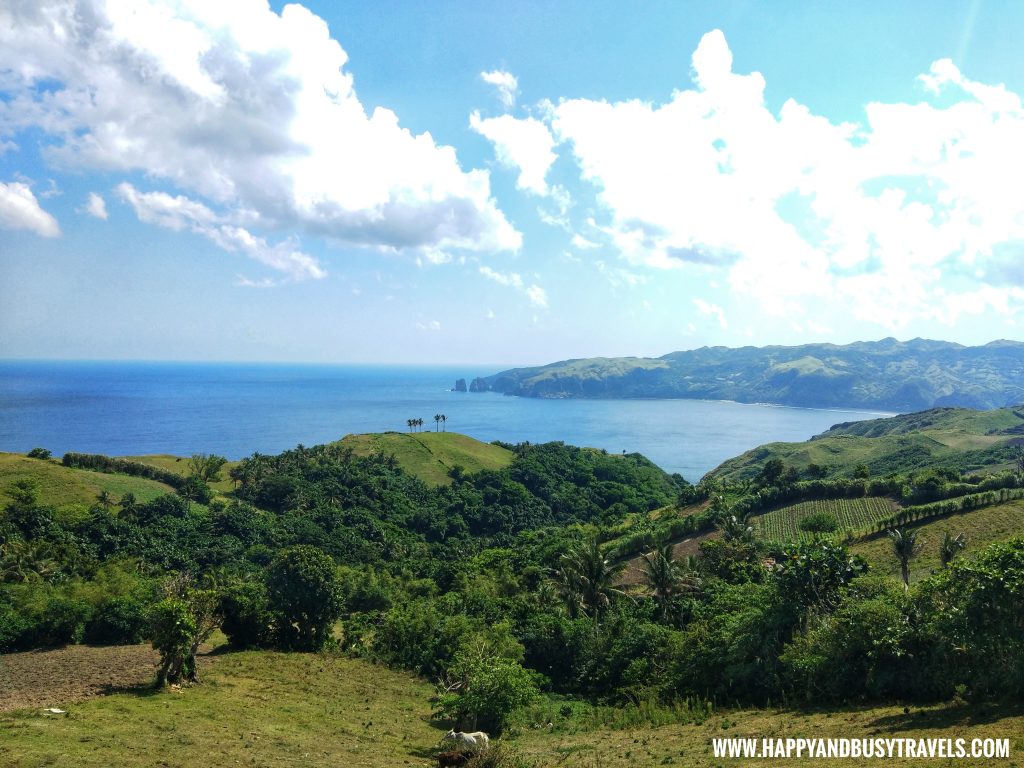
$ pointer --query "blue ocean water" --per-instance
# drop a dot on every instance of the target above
(125, 408)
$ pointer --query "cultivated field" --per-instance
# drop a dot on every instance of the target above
(853, 515)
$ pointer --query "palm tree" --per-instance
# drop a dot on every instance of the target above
(950, 547)
(437, 422)
(129, 505)
(668, 577)
(443, 420)
(586, 578)
(419, 423)
(736, 529)
(105, 500)
(906, 547)
(409, 423)
(23, 562)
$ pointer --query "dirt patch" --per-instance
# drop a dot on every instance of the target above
(60, 676)
(690, 545)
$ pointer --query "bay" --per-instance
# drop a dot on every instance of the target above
(133, 408)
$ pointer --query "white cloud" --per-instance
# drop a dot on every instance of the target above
(179, 213)
(881, 218)
(249, 110)
(712, 310)
(19, 209)
(581, 243)
(432, 325)
(506, 84)
(96, 206)
(536, 294)
(524, 144)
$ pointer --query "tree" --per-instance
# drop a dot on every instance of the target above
(437, 422)
(182, 622)
(587, 578)
(129, 505)
(667, 577)
(906, 547)
(736, 529)
(772, 471)
(482, 691)
(194, 489)
(304, 595)
(206, 466)
(409, 423)
(819, 523)
(443, 420)
(950, 547)
(105, 500)
(39, 453)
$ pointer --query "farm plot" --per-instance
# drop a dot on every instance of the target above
(853, 514)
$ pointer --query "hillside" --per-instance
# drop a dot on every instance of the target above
(885, 375)
(330, 710)
(430, 455)
(955, 437)
(71, 491)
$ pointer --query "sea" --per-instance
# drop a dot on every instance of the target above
(233, 409)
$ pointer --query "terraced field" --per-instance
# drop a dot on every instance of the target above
(853, 515)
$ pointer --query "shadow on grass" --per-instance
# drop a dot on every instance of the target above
(948, 716)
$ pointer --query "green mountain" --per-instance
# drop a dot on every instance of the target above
(960, 438)
(886, 375)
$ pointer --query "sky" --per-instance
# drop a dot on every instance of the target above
(453, 182)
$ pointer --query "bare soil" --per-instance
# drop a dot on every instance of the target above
(57, 677)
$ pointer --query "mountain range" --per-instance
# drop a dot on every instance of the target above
(884, 375)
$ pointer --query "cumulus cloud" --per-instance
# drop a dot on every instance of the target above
(523, 144)
(537, 295)
(96, 206)
(19, 209)
(178, 213)
(249, 110)
(875, 216)
(506, 84)
(712, 310)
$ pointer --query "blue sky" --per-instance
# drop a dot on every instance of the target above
(506, 183)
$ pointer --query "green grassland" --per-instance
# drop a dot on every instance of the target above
(853, 515)
(430, 455)
(270, 709)
(955, 437)
(981, 527)
(179, 465)
(72, 491)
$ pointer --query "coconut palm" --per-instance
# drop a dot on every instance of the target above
(105, 500)
(950, 547)
(443, 420)
(906, 547)
(586, 579)
(437, 422)
(23, 562)
(667, 577)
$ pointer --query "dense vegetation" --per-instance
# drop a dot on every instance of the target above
(885, 375)
(507, 583)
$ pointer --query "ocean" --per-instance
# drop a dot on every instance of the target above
(134, 408)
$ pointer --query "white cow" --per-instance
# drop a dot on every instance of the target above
(474, 740)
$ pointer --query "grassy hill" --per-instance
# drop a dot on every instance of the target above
(262, 708)
(430, 455)
(179, 466)
(955, 437)
(72, 491)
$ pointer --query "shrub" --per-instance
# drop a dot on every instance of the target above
(173, 628)
(39, 453)
(63, 621)
(820, 522)
(304, 596)
(118, 621)
(16, 630)
(247, 616)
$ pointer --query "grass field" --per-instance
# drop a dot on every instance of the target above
(981, 527)
(429, 455)
(269, 709)
(72, 491)
(853, 515)
(179, 466)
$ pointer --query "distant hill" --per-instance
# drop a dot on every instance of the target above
(885, 375)
(430, 455)
(954, 437)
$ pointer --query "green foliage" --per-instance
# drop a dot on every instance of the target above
(118, 621)
(820, 522)
(481, 691)
(39, 453)
(304, 596)
(206, 466)
(173, 628)
(247, 615)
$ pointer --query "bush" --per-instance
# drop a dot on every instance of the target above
(63, 621)
(118, 621)
(247, 616)
(39, 453)
(304, 596)
(819, 522)
(16, 630)
(173, 629)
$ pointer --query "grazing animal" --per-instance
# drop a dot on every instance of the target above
(476, 739)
